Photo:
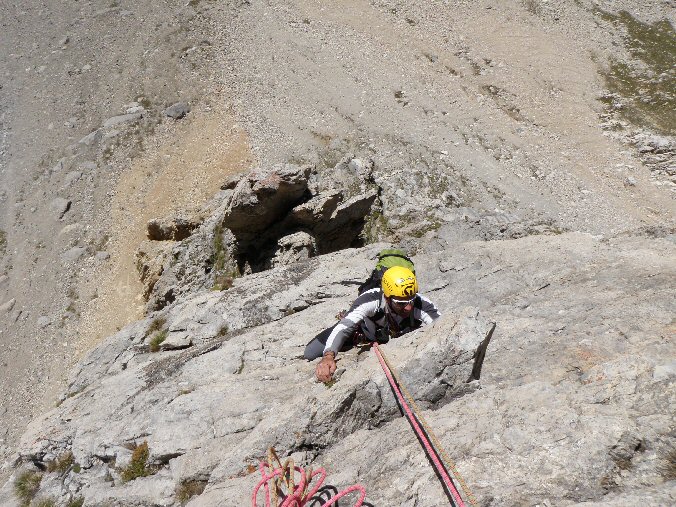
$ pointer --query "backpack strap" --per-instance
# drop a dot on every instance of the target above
(372, 281)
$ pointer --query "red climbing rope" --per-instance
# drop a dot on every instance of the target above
(422, 435)
(299, 497)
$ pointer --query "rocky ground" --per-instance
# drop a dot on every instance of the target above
(523, 150)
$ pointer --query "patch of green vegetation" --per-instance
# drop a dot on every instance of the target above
(189, 489)
(330, 157)
(44, 502)
(26, 486)
(298, 160)
(476, 68)
(532, 6)
(138, 465)
(240, 368)
(76, 502)
(61, 464)
(426, 227)
(375, 228)
(223, 281)
(330, 383)
(108, 153)
(156, 325)
(70, 395)
(645, 85)
(101, 243)
(667, 467)
(145, 102)
(157, 340)
(224, 272)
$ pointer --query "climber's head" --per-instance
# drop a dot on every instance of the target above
(400, 288)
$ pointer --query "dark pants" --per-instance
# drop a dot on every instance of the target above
(315, 348)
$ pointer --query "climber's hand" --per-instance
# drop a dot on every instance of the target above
(326, 367)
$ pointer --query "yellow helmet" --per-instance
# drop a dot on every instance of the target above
(399, 282)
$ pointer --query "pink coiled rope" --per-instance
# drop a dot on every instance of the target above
(297, 497)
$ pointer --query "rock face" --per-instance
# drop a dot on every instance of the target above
(270, 217)
(574, 404)
(263, 197)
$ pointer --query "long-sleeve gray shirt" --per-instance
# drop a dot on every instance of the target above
(371, 312)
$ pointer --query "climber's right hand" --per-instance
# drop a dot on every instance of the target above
(326, 367)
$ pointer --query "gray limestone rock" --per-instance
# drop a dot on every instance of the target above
(73, 254)
(71, 178)
(263, 197)
(150, 259)
(174, 229)
(122, 119)
(318, 209)
(294, 248)
(73, 232)
(92, 138)
(177, 111)
(171, 269)
(7, 306)
(60, 206)
(44, 321)
(176, 341)
(257, 225)
(353, 175)
(88, 165)
(345, 223)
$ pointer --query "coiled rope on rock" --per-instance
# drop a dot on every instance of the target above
(434, 450)
(297, 495)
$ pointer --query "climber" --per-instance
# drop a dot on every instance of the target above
(393, 309)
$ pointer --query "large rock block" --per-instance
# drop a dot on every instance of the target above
(171, 229)
(316, 210)
(294, 248)
(264, 197)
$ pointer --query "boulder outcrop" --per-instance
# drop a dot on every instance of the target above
(270, 217)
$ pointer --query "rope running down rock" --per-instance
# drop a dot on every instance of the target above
(423, 435)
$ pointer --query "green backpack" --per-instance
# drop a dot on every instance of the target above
(387, 259)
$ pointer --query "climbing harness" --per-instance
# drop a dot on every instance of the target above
(296, 495)
(428, 439)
